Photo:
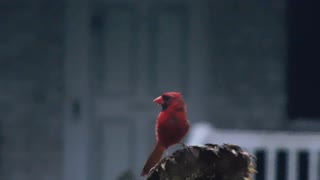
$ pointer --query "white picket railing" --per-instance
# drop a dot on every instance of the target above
(270, 142)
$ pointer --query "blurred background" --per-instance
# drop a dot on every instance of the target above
(78, 78)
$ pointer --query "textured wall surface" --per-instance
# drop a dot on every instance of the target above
(31, 89)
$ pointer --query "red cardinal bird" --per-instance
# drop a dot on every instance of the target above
(172, 126)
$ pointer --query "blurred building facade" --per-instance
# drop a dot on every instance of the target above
(78, 78)
(32, 89)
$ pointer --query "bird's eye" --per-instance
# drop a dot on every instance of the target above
(165, 97)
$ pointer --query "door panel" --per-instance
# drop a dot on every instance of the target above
(117, 138)
(168, 48)
(119, 50)
(117, 104)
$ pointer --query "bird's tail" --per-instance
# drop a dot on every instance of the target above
(153, 159)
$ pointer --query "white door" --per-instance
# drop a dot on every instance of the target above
(121, 55)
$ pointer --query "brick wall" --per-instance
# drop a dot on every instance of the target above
(31, 90)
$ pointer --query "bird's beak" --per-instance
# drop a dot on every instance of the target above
(159, 100)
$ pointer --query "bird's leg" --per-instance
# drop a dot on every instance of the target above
(187, 148)
(183, 145)
(166, 153)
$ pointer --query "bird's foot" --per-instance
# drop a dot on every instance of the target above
(166, 153)
(187, 148)
(183, 145)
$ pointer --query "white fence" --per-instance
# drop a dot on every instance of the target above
(283, 155)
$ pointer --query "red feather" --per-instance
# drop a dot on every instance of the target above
(172, 126)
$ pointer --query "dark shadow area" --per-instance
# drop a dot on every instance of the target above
(303, 163)
(282, 162)
(260, 155)
(303, 59)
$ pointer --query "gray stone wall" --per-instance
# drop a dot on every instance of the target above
(31, 90)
